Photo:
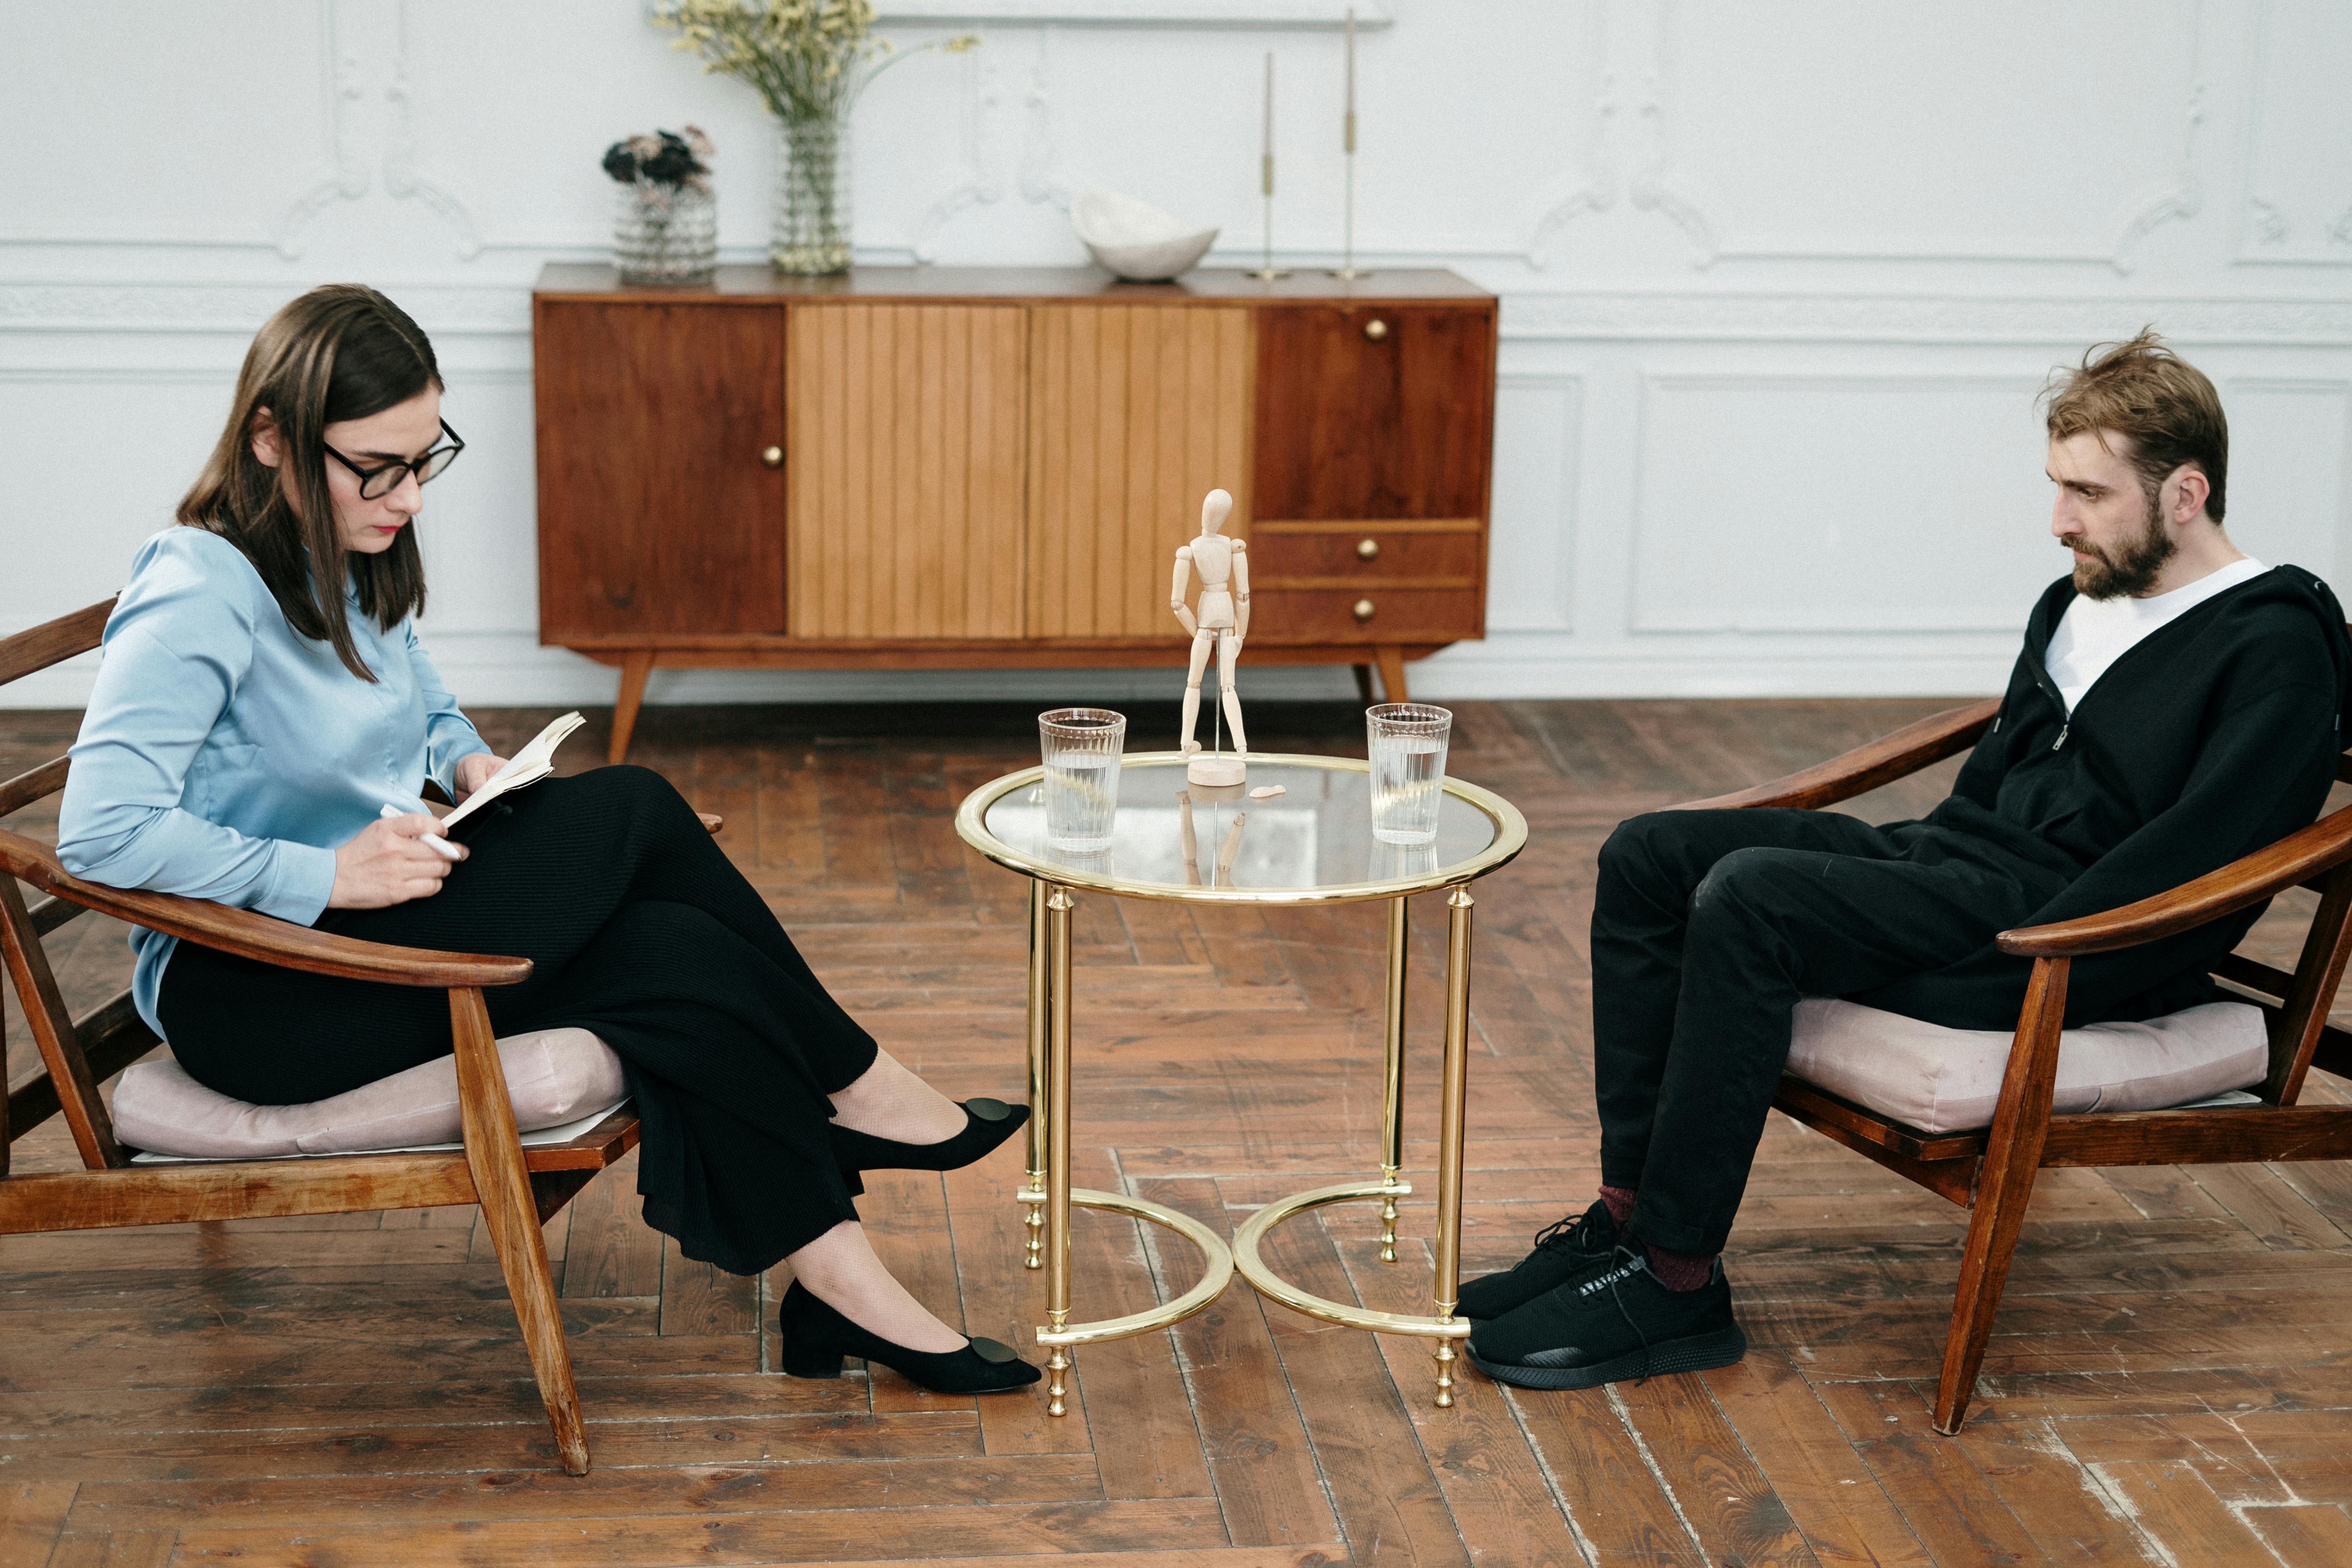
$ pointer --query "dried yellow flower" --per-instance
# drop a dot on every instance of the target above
(808, 58)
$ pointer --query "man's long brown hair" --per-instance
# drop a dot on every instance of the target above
(341, 352)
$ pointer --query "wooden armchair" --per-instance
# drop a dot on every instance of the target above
(1990, 1172)
(518, 1190)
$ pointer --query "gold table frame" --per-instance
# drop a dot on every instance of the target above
(1047, 1192)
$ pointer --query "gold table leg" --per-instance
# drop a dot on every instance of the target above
(1249, 1238)
(1049, 1192)
(1392, 1085)
(1448, 1290)
(1058, 1141)
(1032, 1195)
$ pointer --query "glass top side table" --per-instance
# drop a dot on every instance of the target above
(1193, 844)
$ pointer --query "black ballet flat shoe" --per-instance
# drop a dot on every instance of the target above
(987, 1123)
(816, 1338)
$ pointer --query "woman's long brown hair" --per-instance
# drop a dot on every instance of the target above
(341, 352)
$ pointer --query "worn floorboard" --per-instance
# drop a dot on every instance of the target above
(2170, 1380)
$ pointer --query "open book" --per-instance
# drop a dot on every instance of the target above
(528, 766)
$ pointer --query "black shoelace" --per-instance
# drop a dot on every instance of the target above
(1560, 1233)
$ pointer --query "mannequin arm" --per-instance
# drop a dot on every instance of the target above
(1241, 590)
(1176, 591)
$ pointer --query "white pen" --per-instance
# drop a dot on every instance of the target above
(438, 843)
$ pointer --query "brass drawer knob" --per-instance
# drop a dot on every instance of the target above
(772, 455)
(1376, 329)
(1368, 550)
(1363, 609)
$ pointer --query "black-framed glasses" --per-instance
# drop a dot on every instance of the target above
(381, 482)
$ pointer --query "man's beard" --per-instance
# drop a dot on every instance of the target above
(2130, 568)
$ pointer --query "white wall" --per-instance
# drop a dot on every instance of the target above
(1779, 280)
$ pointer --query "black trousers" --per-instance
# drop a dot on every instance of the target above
(642, 930)
(1708, 926)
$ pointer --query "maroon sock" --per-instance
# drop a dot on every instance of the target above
(1620, 1203)
(1679, 1270)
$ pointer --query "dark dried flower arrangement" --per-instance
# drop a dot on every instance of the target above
(661, 158)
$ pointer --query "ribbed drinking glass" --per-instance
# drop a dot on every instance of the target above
(1082, 748)
(1406, 742)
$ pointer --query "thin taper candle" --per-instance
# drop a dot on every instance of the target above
(1265, 267)
(1266, 159)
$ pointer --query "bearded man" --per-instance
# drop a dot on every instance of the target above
(2176, 705)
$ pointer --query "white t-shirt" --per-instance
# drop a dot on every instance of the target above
(2094, 633)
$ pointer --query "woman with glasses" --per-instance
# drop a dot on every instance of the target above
(264, 698)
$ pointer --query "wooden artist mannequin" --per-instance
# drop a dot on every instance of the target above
(1223, 620)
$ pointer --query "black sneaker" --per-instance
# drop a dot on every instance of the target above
(1609, 1324)
(1567, 1248)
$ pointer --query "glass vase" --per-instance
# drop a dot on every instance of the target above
(809, 229)
(665, 237)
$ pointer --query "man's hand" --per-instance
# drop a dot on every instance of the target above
(389, 863)
(474, 771)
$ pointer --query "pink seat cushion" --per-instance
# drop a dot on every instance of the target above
(1948, 1081)
(553, 1075)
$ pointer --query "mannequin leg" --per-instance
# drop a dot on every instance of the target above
(1229, 648)
(1192, 674)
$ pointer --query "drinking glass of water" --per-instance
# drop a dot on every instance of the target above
(1407, 744)
(1082, 747)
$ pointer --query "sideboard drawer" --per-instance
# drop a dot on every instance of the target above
(1332, 615)
(1428, 558)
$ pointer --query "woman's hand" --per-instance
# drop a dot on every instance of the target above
(474, 771)
(389, 863)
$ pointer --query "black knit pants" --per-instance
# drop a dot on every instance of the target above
(1708, 926)
(642, 931)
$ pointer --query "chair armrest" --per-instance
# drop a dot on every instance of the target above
(261, 937)
(1882, 761)
(2266, 873)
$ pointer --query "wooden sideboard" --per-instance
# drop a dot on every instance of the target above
(943, 467)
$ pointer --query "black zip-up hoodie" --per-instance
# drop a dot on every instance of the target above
(2212, 736)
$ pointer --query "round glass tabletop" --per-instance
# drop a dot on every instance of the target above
(1311, 844)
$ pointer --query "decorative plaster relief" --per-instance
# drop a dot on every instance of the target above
(2295, 106)
(1666, 188)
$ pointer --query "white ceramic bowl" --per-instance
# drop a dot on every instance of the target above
(1135, 240)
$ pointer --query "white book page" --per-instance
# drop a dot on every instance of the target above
(530, 765)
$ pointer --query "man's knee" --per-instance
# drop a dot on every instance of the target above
(1641, 848)
(1741, 884)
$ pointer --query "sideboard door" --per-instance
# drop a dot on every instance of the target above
(1374, 411)
(659, 508)
(905, 508)
(1138, 411)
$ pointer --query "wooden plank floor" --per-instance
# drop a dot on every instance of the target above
(2170, 1379)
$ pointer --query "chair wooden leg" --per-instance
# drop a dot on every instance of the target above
(2012, 1158)
(634, 669)
(1392, 673)
(502, 1183)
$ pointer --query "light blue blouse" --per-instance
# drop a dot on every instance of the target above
(223, 755)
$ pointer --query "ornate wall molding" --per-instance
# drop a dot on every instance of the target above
(1907, 319)
(2272, 231)
(1660, 187)
(239, 309)
(980, 185)
(494, 311)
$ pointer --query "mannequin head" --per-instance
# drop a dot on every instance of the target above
(1215, 507)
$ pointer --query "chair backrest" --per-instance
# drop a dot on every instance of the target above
(76, 1053)
(2301, 1037)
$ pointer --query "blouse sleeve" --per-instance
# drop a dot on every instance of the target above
(177, 646)
(450, 736)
